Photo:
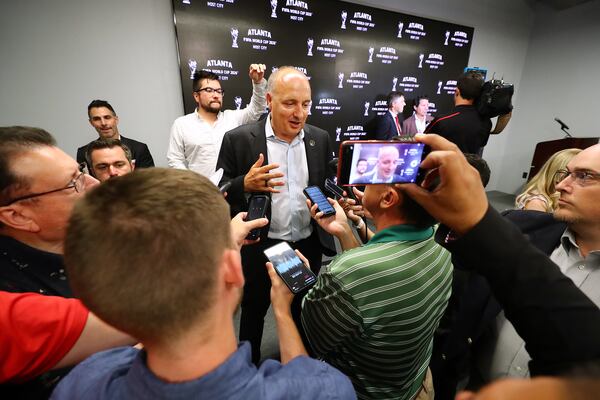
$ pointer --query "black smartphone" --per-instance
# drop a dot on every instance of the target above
(366, 162)
(336, 191)
(257, 208)
(296, 275)
(224, 187)
(316, 195)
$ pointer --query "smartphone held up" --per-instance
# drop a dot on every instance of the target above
(365, 162)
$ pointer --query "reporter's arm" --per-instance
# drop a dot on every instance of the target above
(290, 343)
(96, 336)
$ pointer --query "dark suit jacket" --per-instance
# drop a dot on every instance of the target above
(241, 147)
(472, 308)
(559, 323)
(409, 126)
(366, 179)
(139, 152)
(386, 127)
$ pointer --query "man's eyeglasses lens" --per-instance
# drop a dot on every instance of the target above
(210, 90)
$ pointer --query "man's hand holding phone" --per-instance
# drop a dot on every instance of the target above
(260, 179)
(240, 228)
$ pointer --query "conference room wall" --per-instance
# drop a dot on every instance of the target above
(59, 55)
(560, 79)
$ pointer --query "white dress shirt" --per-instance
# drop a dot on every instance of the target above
(290, 217)
(195, 143)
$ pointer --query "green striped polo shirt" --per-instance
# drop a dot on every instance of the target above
(374, 309)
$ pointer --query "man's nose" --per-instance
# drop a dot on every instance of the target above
(112, 171)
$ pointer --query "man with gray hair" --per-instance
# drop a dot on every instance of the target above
(278, 156)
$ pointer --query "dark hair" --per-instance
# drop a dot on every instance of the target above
(201, 75)
(154, 273)
(418, 99)
(361, 159)
(469, 84)
(480, 165)
(104, 144)
(392, 96)
(414, 213)
(15, 140)
(101, 103)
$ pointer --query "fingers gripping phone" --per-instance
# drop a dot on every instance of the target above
(296, 275)
(373, 161)
(257, 208)
(315, 195)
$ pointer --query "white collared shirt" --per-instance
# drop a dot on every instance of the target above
(290, 217)
(195, 144)
(420, 124)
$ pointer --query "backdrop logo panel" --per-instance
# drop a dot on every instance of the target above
(353, 54)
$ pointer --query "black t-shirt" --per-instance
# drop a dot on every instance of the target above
(464, 127)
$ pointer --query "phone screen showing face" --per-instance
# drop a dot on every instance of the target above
(256, 209)
(289, 267)
(315, 195)
(371, 162)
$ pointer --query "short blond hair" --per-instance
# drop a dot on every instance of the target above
(142, 251)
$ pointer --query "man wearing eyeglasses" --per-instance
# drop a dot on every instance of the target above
(39, 185)
(196, 137)
(571, 238)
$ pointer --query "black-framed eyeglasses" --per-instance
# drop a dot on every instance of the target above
(210, 90)
(582, 178)
(77, 183)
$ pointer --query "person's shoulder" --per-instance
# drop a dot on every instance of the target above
(132, 142)
(289, 381)
(92, 377)
(315, 130)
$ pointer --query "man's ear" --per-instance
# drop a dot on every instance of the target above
(389, 198)
(18, 217)
(269, 100)
(132, 165)
(232, 268)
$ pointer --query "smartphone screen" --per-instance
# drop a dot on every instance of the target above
(372, 162)
(256, 209)
(289, 267)
(315, 195)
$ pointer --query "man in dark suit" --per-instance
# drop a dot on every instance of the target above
(280, 156)
(419, 120)
(103, 118)
(390, 124)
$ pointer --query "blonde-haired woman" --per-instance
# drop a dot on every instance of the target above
(540, 193)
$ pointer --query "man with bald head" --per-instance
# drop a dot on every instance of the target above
(278, 156)
(39, 184)
(571, 238)
(385, 169)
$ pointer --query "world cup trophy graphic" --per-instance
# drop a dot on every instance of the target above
(309, 43)
(400, 26)
(367, 104)
(421, 56)
(340, 80)
(273, 8)
(344, 16)
(439, 87)
(192, 64)
(394, 83)
(186, 2)
(310, 108)
(238, 102)
(447, 36)
(338, 131)
(234, 37)
(371, 50)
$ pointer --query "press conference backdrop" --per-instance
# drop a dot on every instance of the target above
(353, 55)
